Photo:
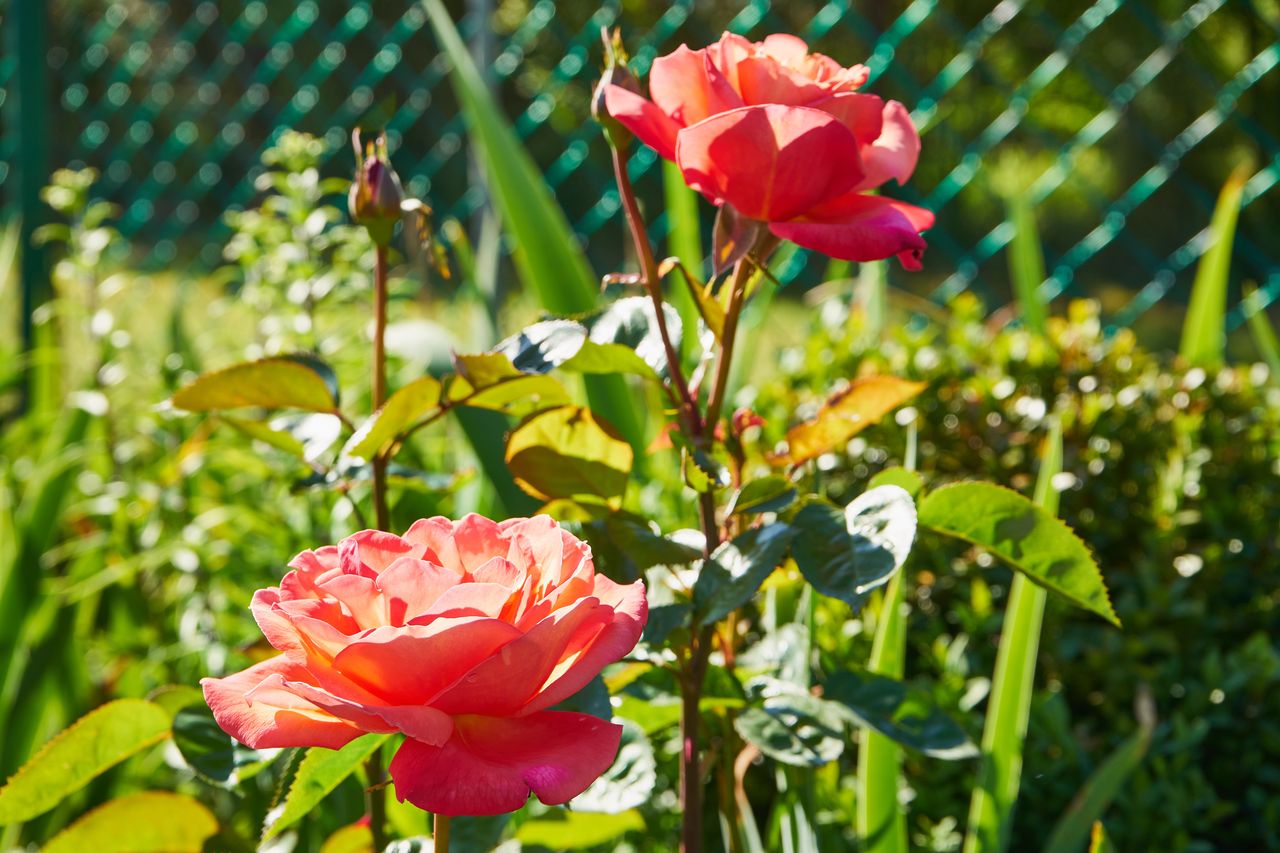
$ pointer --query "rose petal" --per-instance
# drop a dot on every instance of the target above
(410, 586)
(276, 718)
(412, 664)
(477, 539)
(630, 610)
(467, 599)
(862, 114)
(688, 87)
(764, 81)
(435, 537)
(421, 722)
(491, 765)
(770, 162)
(505, 682)
(642, 117)
(785, 48)
(861, 228)
(895, 151)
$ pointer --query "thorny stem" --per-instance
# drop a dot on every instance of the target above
(382, 519)
(688, 407)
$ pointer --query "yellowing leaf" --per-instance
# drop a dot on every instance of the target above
(150, 822)
(845, 414)
(569, 452)
(285, 382)
(402, 409)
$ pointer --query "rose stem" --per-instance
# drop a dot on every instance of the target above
(377, 794)
(688, 407)
(737, 291)
(381, 514)
(440, 833)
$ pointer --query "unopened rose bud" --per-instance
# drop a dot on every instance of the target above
(375, 196)
(617, 74)
(743, 419)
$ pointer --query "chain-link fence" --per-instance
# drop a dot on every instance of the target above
(1119, 119)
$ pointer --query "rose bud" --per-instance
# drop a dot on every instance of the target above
(375, 196)
(617, 74)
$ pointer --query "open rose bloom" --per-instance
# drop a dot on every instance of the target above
(783, 136)
(460, 635)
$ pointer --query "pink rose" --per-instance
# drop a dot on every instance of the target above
(458, 634)
(784, 137)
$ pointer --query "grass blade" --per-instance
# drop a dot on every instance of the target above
(1204, 332)
(1264, 335)
(547, 255)
(1026, 264)
(1075, 826)
(1005, 728)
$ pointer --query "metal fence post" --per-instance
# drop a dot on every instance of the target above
(31, 166)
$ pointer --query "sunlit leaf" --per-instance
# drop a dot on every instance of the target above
(763, 494)
(543, 346)
(491, 381)
(320, 772)
(150, 822)
(1025, 536)
(795, 728)
(736, 570)
(562, 829)
(352, 838)
(908, 481)
(93, 744)
(883, 704)
(845, 414)
(402, 409)
(568, 452)
(1204, 332)
(632, 322)
(206, 748)
(609, 358)
(260, 431)
(846, 553)
(284, 382)
(646, 548)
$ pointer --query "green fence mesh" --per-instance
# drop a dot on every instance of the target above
(1119, 119)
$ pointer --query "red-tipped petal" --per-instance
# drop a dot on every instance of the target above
(770, 162)
(861, 228)
(276, 717)
(643, 118)
(504, 683)
(410, 665)
(491, 764)
(630, 611)
(862, 114)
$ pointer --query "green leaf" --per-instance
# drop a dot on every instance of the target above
(609, 358)
(259, 431)
(1027, 537)
(1026, 263)
(207, 749)
(763, 494)
(1098, 840)
(150, 822)
(320, 772)
(736, 570)
(569, 452)
(795, 728)
(570, 830)
(543, 346)
(847, 413)
(491, 381)
(547, 255)
(629, 782)
(845, 554)
(352, 838)
(402, 410)
(1204, 332)
(663, 620)
(632, 322)
(93, 744)
(644, 547)
(908, 481)
(1081, 817)
(284, 382)
(883, 704)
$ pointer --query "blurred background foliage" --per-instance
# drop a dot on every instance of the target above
(1119, 118)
